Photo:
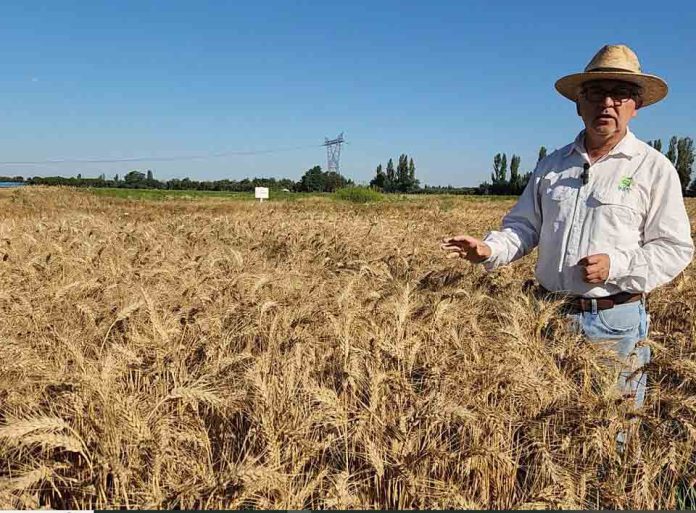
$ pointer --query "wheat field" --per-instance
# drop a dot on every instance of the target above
(313, 354)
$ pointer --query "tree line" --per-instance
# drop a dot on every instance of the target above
(314, 180)
(12, 179)
(402, 179)
(399, 179)
(680, 153)
(500, 183)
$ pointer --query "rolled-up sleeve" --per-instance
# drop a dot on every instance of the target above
(667, 244)
(519, 233)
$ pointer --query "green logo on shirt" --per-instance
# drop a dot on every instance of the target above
(625, 183)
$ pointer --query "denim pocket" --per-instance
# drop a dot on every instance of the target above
(622, 318)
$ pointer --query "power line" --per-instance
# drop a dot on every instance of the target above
(153, 159)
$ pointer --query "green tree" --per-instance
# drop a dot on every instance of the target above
(134, 179)
(334, 181)
(672, 151)
(495, 175)
(149, 175)
(390, 183)
(402, 174)
(380, 178)
(312, 180)
(685, 161)
(413, 181)
(515, 185)
(657, 144)
(542, 154)
(499, 174)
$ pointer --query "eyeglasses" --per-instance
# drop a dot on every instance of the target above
(618, 95)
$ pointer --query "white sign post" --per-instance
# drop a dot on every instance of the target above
(261, 193)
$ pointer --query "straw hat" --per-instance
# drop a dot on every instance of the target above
(614, 62)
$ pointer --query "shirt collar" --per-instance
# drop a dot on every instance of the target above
(627, 147)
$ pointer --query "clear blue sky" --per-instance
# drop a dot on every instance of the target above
(449, 83)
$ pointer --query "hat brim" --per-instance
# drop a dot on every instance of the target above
(653, 88)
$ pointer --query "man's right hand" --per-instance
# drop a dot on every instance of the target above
(470, 248)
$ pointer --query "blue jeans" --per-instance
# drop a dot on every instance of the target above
(620, 329)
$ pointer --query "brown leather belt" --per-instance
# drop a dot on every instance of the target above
(584, 304)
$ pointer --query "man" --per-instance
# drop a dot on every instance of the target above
(606, 212)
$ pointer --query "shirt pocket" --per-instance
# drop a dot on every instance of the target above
(616, 208)
(557, 203)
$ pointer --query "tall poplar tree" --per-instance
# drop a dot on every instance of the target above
(499, 174)
(402, 173)
(685, 161)
(412, 174)
(657, 144)
(380, 178)
(515, 178)
(390, 182)
(672, 150)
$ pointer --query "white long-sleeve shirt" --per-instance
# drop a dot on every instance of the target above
(631, 208)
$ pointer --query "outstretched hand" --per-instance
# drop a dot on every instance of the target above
(595, 268)
(464, 246)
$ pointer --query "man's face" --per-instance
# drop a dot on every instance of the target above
(606, 106)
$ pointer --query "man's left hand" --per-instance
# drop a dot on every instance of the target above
(595, 267)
